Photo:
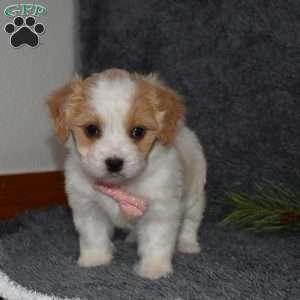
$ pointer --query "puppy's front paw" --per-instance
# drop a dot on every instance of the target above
(188, 247)
(94, 258)
(153, 268)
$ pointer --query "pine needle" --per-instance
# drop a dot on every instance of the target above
(271, 208)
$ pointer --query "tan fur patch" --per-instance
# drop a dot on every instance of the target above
(82, 141)
(70, 110)
(160, 103)
(78, 125)
(170, 103)
(142, 114)
(62, 103)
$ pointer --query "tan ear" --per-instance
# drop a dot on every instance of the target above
(60, 104)
(171, 107)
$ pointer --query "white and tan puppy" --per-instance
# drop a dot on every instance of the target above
(128, 130)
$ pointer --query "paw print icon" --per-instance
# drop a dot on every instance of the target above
(24, 31)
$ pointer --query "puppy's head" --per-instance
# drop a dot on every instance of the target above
(115, 118)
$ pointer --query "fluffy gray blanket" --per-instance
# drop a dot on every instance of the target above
(39, 251)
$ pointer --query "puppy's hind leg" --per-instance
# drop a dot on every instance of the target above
(188, 235)
(194, 169)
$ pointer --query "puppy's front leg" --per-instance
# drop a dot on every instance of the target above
(156, 243)
(95, 232)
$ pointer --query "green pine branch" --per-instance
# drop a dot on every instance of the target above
(272, 207)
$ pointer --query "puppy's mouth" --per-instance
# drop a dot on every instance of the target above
(117, 178)
(114, 178)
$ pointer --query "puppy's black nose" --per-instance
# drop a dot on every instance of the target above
(114, 164)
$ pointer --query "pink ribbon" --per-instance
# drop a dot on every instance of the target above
(130, 205)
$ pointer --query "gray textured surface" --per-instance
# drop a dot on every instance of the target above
(237, 62)
(39, 251)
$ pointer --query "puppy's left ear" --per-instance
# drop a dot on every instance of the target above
(172, 109)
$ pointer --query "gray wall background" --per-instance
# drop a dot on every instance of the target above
(236, 62)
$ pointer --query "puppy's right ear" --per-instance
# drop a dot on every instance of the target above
(61, 103)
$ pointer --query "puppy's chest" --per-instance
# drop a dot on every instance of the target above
(113, 202)
(160, 182)
(112, 208)
(149, 189)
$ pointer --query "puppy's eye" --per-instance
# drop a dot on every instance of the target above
(92, 131)
(137, 133)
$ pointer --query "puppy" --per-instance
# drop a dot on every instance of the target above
(128, 130)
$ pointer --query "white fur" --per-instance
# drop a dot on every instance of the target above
(172, 180)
